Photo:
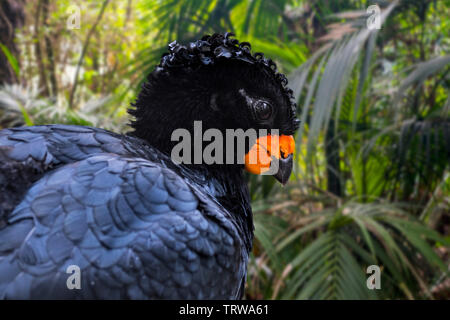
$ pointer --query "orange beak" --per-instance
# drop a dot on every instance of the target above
(271, 155)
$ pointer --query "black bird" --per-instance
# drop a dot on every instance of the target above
(136, 224)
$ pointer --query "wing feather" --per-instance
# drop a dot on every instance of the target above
(135, 228)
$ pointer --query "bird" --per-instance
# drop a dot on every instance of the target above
(87, 213)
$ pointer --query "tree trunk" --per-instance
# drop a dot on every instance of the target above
(49, 51)
(37, 46)
(12, 16)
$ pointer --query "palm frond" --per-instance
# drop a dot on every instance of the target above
(22, 106)
(347, 241)
(341, 58)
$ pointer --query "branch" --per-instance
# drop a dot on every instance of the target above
(83, 52)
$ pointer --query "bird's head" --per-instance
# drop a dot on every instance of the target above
(218, 81)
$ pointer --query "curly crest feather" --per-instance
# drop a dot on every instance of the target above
(212, 48)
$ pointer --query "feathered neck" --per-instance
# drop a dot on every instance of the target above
(229, 187)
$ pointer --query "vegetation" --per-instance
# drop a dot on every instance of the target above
(372, 180)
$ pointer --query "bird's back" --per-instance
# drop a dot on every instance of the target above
(133, 223)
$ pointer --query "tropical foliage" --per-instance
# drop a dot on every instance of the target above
(371, 184)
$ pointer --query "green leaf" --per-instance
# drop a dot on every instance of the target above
(11, 59)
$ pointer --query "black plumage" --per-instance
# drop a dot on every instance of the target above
(137, 224)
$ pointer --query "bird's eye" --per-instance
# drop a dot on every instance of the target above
(263, 110)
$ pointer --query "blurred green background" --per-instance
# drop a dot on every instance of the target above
(371, 184)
